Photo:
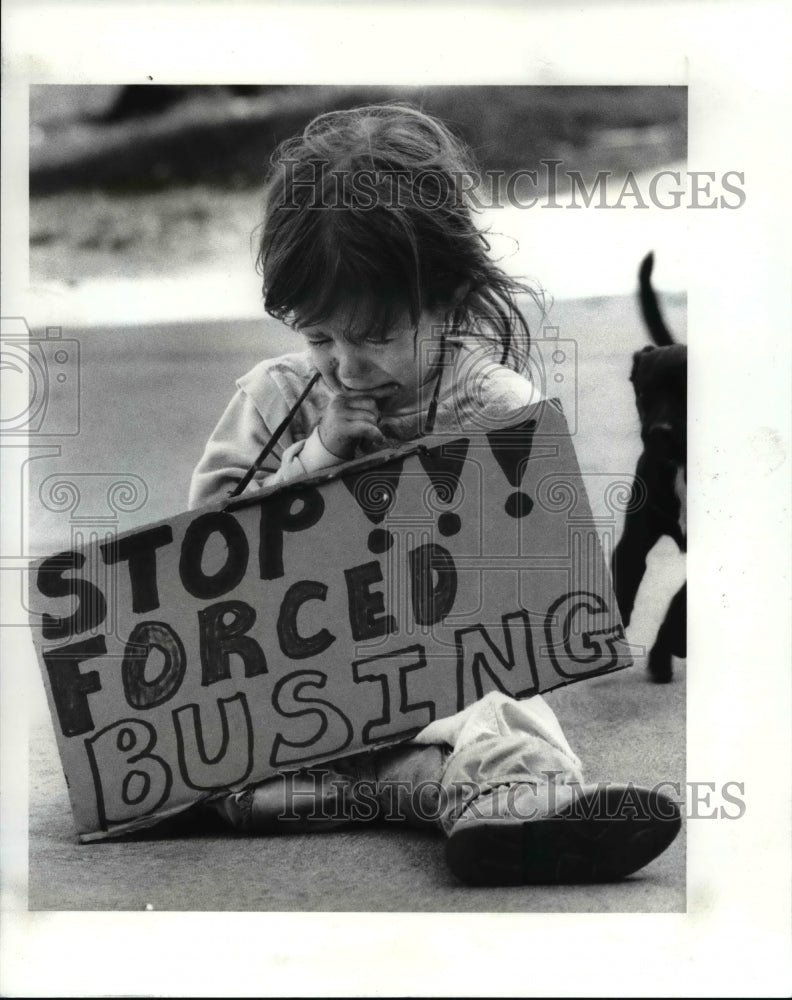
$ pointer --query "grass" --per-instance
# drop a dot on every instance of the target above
(208, 136)
(164, 193)
(96, 233)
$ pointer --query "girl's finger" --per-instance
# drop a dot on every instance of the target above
(361, 405)
(361, 429)
(370, 432)
(381, 392)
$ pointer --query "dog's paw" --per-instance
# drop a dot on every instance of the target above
(659, 666)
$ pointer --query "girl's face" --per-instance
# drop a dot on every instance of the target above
(394, 368)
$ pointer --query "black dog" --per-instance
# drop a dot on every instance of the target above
(658, 501)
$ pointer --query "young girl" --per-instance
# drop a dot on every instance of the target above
(369, 250)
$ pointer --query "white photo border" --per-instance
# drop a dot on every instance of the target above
(735, 938)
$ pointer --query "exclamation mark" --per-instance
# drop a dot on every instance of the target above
(443, 464)
(375, 492)
(512, 450)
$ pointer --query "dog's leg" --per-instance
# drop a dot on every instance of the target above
(671, 639)
(641, 532)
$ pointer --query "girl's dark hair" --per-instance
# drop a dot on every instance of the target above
(367, 210)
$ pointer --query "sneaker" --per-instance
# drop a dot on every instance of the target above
(526, 834)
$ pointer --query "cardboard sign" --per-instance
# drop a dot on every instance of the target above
(328, 616)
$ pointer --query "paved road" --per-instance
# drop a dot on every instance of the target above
(149, 398)
(622, 727)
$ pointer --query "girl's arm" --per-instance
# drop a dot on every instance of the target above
(236, 443)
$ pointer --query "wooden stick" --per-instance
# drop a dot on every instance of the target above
(243, 483)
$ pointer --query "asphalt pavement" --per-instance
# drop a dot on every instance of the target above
(622, 727)
(149, 397)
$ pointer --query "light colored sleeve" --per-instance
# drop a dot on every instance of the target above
(236, 443)
(507, 395)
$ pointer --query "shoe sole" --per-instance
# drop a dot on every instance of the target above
(604, 835)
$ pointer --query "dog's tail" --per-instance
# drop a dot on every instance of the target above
(650, 308)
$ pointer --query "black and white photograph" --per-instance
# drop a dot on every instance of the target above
(353, 474)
